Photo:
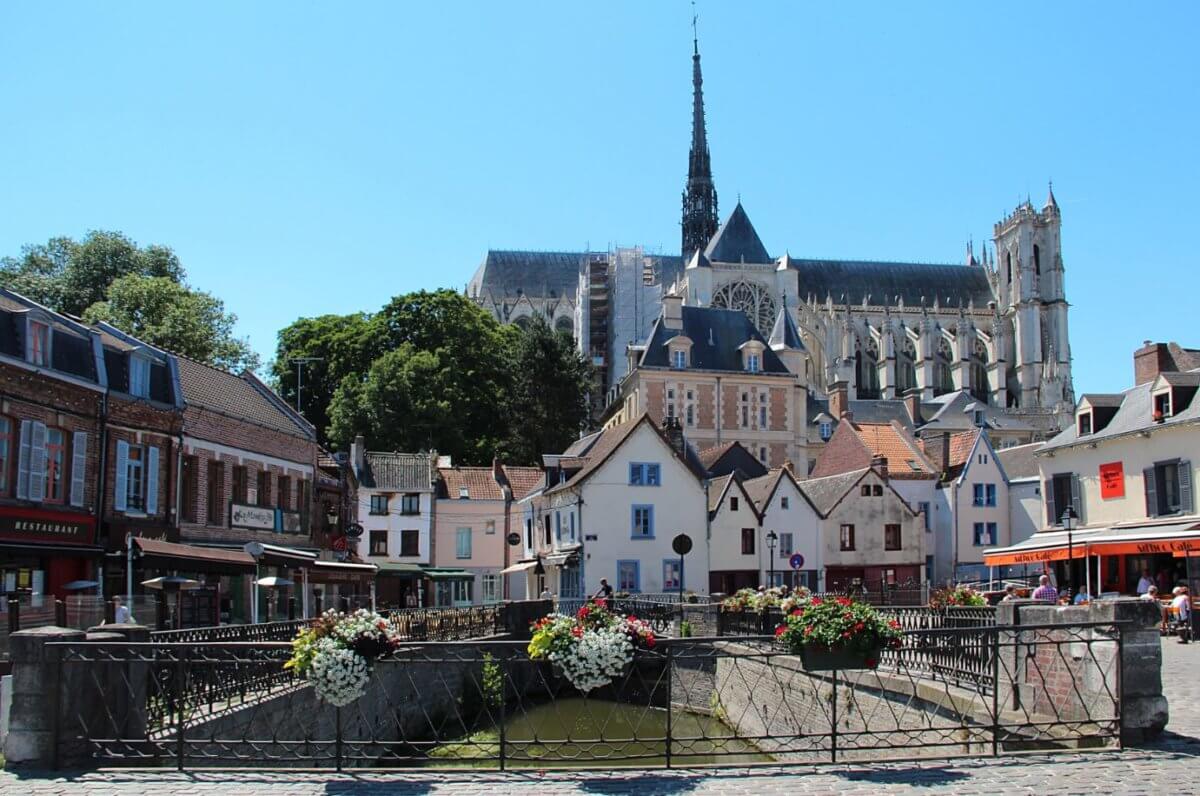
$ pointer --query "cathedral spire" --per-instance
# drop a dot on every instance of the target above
(699, 221)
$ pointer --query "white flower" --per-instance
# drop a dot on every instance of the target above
(338, 674)
(595, 659)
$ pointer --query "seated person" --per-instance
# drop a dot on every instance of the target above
(1181, 607)
(1082, 597)
(1150, 594)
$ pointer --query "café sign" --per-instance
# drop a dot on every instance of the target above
(255, 517)
(47, 527)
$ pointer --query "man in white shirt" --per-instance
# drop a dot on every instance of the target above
(1146, 581)
(1181, 604)
(121, 613)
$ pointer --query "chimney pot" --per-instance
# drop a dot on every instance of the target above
(880, 465)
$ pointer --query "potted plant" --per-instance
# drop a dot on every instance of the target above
(336, 653)
(592, 648)
(837, 633)
(957, 597)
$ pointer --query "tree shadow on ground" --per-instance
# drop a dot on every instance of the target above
(928, 777)
(665, 784)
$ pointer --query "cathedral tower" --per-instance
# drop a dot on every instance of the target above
(700, 199)
(1030, 292)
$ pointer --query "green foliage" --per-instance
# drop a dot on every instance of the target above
(140, 290)
(685, 629)
(492, 681)
(432, 370)
(838, 622)
(168, 314)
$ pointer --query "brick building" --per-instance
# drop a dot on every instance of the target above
(51, 402)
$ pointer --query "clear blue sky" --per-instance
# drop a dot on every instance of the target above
(306, 158)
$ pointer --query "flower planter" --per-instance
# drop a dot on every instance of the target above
(822, 658)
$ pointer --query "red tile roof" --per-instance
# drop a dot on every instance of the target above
(479, 483)
(853, 445)
(523, 480)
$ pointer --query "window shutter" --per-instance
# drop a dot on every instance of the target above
(78, 466)
(24, 460)
(1076, 500)
(152, 480)
(1048, 493)
(37, 459)
(1151, 492)
(1185, 486)
(120, 485)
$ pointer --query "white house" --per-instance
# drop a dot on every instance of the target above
(395, 509)
(790, 526)
(615, 502)
(1025, 510)
(971, 507)
(734, 536)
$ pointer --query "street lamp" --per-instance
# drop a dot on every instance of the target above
(1068, 521)
(772, 540)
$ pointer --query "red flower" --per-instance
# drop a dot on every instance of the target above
(650, 641)
(798, 612)
(894, 625)
(843, 601)
(845, 634)
(779, 631)
(858, 627)
(577, 631)
(808, 630)
(871, 663)
(816, 601)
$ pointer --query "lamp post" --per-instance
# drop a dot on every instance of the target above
(772, 540)
(1068, 521)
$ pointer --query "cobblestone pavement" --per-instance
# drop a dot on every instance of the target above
(1170, 766)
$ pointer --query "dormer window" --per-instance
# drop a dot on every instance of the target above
(679, 359)
(37, 344)
(464, 493)
(1162, 405)
(139, 376)
(753, 363)
(826, 430)
(979, 417)
(1085, 423)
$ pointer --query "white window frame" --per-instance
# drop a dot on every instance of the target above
(47, 350)
(139, 375)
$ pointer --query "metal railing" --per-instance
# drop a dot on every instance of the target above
(733, 701)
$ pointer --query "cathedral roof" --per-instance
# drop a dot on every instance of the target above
(715, 335)
(510, 272)
(849, 281)
(785, 334)
(736, 241)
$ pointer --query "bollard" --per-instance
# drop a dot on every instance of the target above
(60, 613)
(14, 616)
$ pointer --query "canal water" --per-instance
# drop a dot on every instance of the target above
(590, 732)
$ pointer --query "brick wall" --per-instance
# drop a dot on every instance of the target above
(778, 414)
(706, 409)
(655, 400)
(729, 406)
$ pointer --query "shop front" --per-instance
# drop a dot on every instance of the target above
(341, 583)
(1108, 561)
(42, 551)
(224, 576)
(451, 587)
(400, 585)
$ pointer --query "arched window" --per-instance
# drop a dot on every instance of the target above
(980, 388)
(943, 381)
(564, 325)
(866, 370)
(1037, 260)
(750, 298)
(906, 366)
(522, 322)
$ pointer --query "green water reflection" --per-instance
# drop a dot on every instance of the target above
(587, 732)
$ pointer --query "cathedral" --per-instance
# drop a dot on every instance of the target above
(993, 326)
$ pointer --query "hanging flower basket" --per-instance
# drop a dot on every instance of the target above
(837, 633)
(591, 649)
(336, 653)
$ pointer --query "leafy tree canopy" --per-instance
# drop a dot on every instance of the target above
(167, 314)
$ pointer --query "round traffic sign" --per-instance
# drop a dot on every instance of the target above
(682, 544)
(514, 538)
(797, 561)
(354, 530)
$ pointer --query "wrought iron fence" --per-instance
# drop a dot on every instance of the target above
(689, 701)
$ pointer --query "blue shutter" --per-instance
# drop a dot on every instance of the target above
(37, 463)
(120, 485)
(24, 459)
(151, 480)
(78, 466)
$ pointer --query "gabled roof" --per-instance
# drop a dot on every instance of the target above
(718, 488)
(825, 493)
(397, 471)
(243, 397)
(524, 480)
(955, 411)
(853, 446)
(1020, 462)
(737, 241)
(763, 489)
(784, 333)
(479, 482)
(1103, 399)
(716, 335)
(731, 456)
(610, 439)
(883, 410)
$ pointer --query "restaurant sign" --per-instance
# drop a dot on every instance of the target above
(1112, 480)
(26, 525)
(252, 517)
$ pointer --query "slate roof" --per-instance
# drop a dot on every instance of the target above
(864, 411)
(524, 480)
(824, 493)
(478, 481)
(1107, 399)
(237, 396)
(724, 459)
(737, 241)
(948, 412)
(509, 272)
(1020, 461)
(727, 329)
(399, 472)
(784, 333)
(851, 281)
(1135, 414)
(760, 489)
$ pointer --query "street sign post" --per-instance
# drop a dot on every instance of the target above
(682, 545)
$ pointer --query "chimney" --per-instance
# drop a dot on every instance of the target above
(358, 449)
(912, 402)
(674, 432)
(945, 451)
(879, 465)
(839, 400)
(672, 305)
(1150, 360)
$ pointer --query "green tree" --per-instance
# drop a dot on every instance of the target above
(70, 276)
(339, 345)
(165, 313)
(409, 400)
(552, 385)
